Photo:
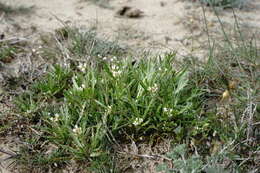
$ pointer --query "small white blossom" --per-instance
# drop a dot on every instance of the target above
(82, 67)
(74, 77)
(113, 59)
(153, 89)
(55, 118)
(77, 130)
(66, 64)
(109, 109)
(82, 87)
(168, 111)
(115, 71)
(114, 67)
(138, 121)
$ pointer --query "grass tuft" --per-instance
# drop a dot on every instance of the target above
(81, 112)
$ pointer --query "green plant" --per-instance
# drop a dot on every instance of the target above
(84, 110)
(7, 52)
(182, 164)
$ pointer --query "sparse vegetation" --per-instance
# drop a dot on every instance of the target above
(96, 101)
(7, 52)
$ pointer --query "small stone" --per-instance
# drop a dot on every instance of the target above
(134, 13)
(162, 3)
(121, 11)
(129, 12)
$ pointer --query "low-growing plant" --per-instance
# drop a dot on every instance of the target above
(184, 162)
(7, 52)
(181, 163)
(84, 110)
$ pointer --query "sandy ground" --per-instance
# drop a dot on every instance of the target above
(165, 25)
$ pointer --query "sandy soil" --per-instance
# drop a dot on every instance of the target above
(165, 25)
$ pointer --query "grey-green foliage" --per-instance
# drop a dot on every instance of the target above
(216, 169)
(80, 109)
(182, 163)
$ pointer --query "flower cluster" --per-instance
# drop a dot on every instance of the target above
(168, 111)
(82, 87)
(55, 118)
(109, 109)
(112, 59)
(79, 88)
(138, 121)
(153, 89)
(77, 130)
(82, 67)
(163, 70)
(115, 71)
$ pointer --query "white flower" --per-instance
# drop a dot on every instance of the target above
(74, 77)
(153, 89)
(168, 111)
(109, 109)
(67, 64)
(82, 67)
(77, 130)
(113, 58)
(138, 121)
(82, 87)
(114, 67)
(115, 71)
(55, 118)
